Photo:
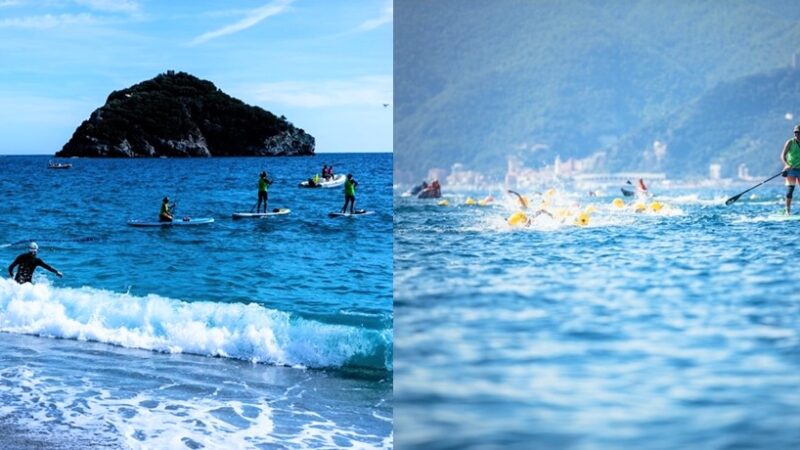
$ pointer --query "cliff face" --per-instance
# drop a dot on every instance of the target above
(179, 115)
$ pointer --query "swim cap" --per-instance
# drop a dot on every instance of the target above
(33, 247)
(796, 128)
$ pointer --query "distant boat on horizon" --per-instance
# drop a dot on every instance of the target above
(58, 165)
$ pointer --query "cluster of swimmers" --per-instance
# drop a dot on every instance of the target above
(581, 217)
(526, 214)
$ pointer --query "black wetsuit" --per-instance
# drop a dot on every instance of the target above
(27, 262)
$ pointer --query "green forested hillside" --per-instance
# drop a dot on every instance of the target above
(476, 82)
(742, 121)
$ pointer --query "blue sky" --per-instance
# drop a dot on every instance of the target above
(325, 65)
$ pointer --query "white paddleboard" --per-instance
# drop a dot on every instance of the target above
(781, 217)
(359, 212)
(249, 215)
(174, 223)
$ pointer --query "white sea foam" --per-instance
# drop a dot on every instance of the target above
(242, 331)
(145, 421)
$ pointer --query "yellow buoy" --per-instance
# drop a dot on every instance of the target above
(582, 220)
(470, 201)
(656, 206)
(518, 219)
(639, 207)
(618, 203)
(443, 203)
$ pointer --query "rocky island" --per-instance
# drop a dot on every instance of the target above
(180, 115)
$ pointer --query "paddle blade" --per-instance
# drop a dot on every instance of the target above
(732, 200)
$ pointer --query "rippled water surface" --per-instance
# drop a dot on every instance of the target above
(296, 309)
(670, 329)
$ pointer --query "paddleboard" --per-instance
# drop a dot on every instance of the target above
(782, 216)
(359, 212)
(249, 215)
(174, 223)
(337, 180)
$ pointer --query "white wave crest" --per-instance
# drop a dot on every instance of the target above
(248, 332)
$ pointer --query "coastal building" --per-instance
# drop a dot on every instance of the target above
(743, 173)
(714, 171)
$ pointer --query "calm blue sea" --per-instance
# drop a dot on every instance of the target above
(265, 333)
(669, 330)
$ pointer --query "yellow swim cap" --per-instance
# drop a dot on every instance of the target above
(518, 219)
(618, 203)
(470, 201)
(590, 209)
(550, 192)
(655, 206)
(443, 203)
(639, 207)
(582, 220)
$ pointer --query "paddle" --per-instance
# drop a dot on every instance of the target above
(733, 199)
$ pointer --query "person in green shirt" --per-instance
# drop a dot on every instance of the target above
(166, 211)
(349, 193)
(263, 187)
(790, 156)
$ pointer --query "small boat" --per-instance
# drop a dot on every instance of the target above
(337, 180)
(58, 165)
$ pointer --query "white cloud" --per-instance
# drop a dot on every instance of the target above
(363, 91)
(252, 17)
(47, 21)
(120, 6)
(387, 15)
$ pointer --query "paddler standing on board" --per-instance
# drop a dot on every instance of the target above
(790, 156)
(263, 187)
(349, 193)
(26, 263)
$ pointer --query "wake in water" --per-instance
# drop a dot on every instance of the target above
(232, 330)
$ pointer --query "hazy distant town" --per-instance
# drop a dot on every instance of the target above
(578, 174)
